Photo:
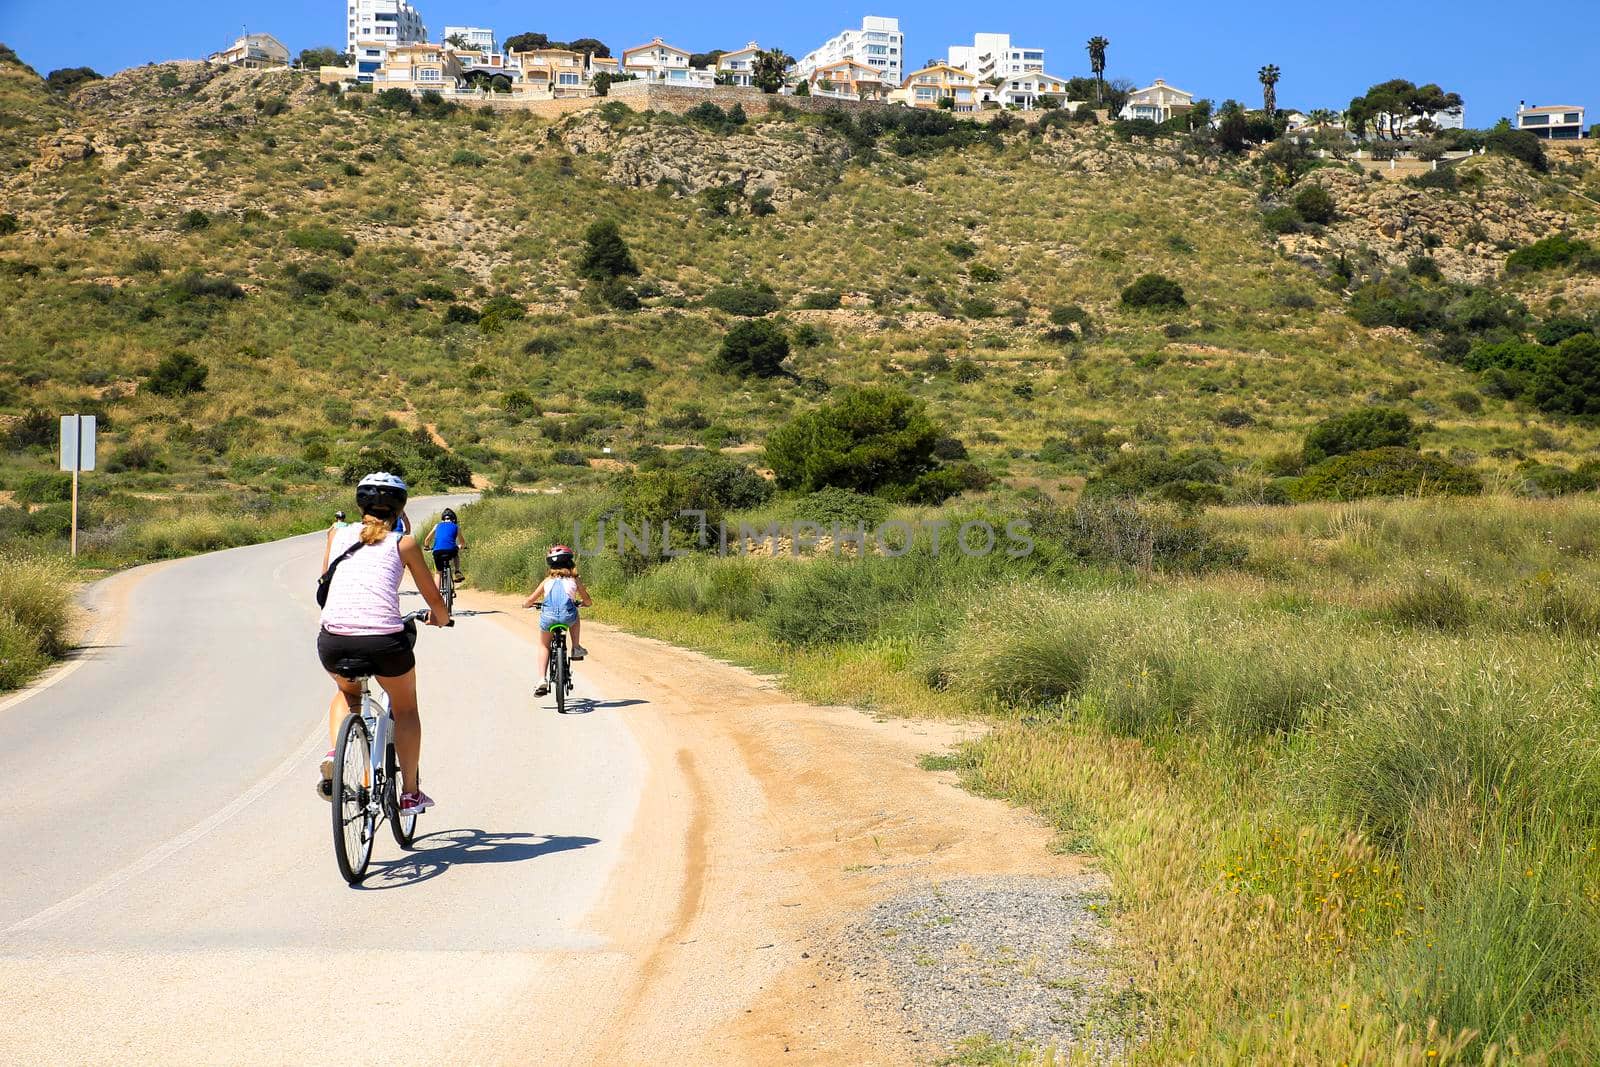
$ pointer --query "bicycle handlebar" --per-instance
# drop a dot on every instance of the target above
(423, 615)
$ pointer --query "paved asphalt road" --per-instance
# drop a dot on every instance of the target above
(169, 889)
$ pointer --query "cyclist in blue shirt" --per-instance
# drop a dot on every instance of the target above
(446, 542)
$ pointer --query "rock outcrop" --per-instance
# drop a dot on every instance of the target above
(789, 161)
(1468, 231)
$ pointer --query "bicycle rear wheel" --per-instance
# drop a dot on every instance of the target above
(404, 826)
(447, 588)
(353, 824)
(558, 674)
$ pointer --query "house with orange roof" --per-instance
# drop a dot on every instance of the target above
(661, 62)
(925, 88)
(848, 80)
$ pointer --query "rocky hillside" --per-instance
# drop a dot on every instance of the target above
(345, 272)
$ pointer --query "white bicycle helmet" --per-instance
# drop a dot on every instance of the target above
(382, 494)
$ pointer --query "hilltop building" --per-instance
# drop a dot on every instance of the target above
(925, 88)
(1553, 122)
(878, 44)
(1158, 102)
(253, 51)
(991, 55)
(659, 61)
(386, 22)
(738, 67)
(473, 38)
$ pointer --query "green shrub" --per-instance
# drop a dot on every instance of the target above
(1139, 534)
(617, 293)
(1154, 291)
(1359, 431)
(312, 282)
(821, 300)
(1558, 250)
(34, 427)
(194, 219)
(1314, 205)
(178, 374)
(498, 311)
(197, 286)
(631, 399)
(1384, 472)
(461, 313)
(1556, 330)
(744, 300)
(8, 224)
(871, 440)
(754, 348)
(605, 254)
(1281, 220)
(847, 508)
(1568, 381)
(520, 404)
(1466, 401)
(1193, 476)
(168, 80)
(319, 238)
(435, 291)
(397, 100)
(43, 487)
(1523, 145)
(466, 157)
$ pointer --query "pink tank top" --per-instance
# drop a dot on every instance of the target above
(364, 596)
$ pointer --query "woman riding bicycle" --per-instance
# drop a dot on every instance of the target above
(361, 621)
(557, 599)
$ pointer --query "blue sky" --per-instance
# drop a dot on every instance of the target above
(1328, 52)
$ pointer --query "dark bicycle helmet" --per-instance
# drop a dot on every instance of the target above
(448, 515)
(339, 516)
(560, 557)
(381, 494)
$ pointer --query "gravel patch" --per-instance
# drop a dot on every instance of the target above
(1015, 960)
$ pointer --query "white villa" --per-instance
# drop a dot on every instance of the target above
(385, 22)
(475, 38)
(991, 55)
(1554, 122)
(738, 67)
(1158, 102)
(661, 62)
(878, 44)
(255, 51)
(1024, 91)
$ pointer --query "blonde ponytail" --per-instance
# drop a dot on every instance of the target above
(374, 529)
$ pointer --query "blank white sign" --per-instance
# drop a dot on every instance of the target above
(77, 442)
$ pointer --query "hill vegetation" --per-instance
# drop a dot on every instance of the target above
(1323, 743)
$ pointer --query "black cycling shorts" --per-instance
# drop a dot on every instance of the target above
(359, 655)
(442, 556)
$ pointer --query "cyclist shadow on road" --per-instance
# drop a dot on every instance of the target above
(437, 852)
(586, 705)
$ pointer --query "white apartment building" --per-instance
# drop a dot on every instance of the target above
(390, 22)
(878, 44)
(992, 55)
(475, 38)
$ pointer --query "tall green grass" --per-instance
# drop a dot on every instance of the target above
(1349, 791)
(35, 616)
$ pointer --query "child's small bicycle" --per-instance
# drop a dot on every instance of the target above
(559, 673)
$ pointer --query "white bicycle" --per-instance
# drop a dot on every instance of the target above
(366, 780)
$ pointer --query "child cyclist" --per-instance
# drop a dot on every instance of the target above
(446, 541)
(557, 599)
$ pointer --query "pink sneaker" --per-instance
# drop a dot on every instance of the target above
(415, 803)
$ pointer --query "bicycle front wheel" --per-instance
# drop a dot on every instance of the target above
(353, 822)
(404, 826)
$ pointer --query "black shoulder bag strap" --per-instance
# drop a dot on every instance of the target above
(327, 575)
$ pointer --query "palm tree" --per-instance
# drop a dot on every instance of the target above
(1269, 89)
(1097, 64)
(770, 67)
